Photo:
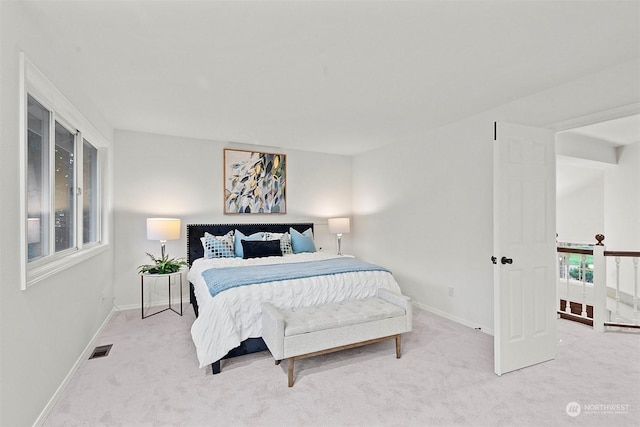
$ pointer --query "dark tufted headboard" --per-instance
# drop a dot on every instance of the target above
(196, 231)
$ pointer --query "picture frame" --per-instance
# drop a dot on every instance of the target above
(255, 182)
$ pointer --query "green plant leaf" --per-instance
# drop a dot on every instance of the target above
(162, 265)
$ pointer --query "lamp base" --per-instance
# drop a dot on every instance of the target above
(339, 243)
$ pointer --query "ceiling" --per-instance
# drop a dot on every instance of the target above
(331, 76)
(617, 132)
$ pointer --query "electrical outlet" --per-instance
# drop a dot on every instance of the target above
(450, 291)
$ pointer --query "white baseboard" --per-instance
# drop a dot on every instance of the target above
(83, 356)
(453, 318)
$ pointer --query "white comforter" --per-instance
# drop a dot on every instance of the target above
(234, 315)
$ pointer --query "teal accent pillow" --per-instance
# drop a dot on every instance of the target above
(240, 237)
(302, 242)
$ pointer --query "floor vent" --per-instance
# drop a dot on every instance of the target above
(101, 351)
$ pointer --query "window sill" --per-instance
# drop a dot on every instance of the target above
(37, 273)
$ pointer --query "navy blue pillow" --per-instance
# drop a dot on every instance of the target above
(239, 237)
(261, 248)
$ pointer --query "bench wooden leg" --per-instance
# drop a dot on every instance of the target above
(344, 347)
(291, 359)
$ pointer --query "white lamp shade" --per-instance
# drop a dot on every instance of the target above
(163, 228)
(339, 225)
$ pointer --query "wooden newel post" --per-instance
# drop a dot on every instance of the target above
(599, 285)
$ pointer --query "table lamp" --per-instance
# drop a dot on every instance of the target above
(339, 226)
(163, 229)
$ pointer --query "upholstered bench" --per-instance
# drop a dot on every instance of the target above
(310, 331)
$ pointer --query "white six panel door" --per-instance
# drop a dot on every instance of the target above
(524, 247)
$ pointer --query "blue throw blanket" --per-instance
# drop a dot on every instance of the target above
(221, 279)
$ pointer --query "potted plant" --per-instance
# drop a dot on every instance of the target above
(162, 265)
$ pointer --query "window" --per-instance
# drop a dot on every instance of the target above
(65, 188)
(37, 179)
(90, 193)
(62, 176)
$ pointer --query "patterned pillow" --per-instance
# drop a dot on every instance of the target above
(218, 246)
(285, 241)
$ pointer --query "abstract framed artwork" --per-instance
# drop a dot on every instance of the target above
(254, 182)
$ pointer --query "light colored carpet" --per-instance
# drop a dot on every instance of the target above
(445, 377)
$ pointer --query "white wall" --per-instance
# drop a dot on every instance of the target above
(423, 207)
(44, 329)
(622, 201)
(159, 175)
(580, 203)
(622, 213)
(429, 218)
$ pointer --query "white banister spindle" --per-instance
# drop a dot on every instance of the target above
(617, 288)
(567, 304)
(599, 288)
(560, 276)
(583, 265)
(636, 320)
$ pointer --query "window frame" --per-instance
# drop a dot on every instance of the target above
(33, 83)
(98, 189)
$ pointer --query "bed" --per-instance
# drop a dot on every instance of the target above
(229, 323)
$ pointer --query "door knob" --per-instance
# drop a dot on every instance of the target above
(506, 260)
